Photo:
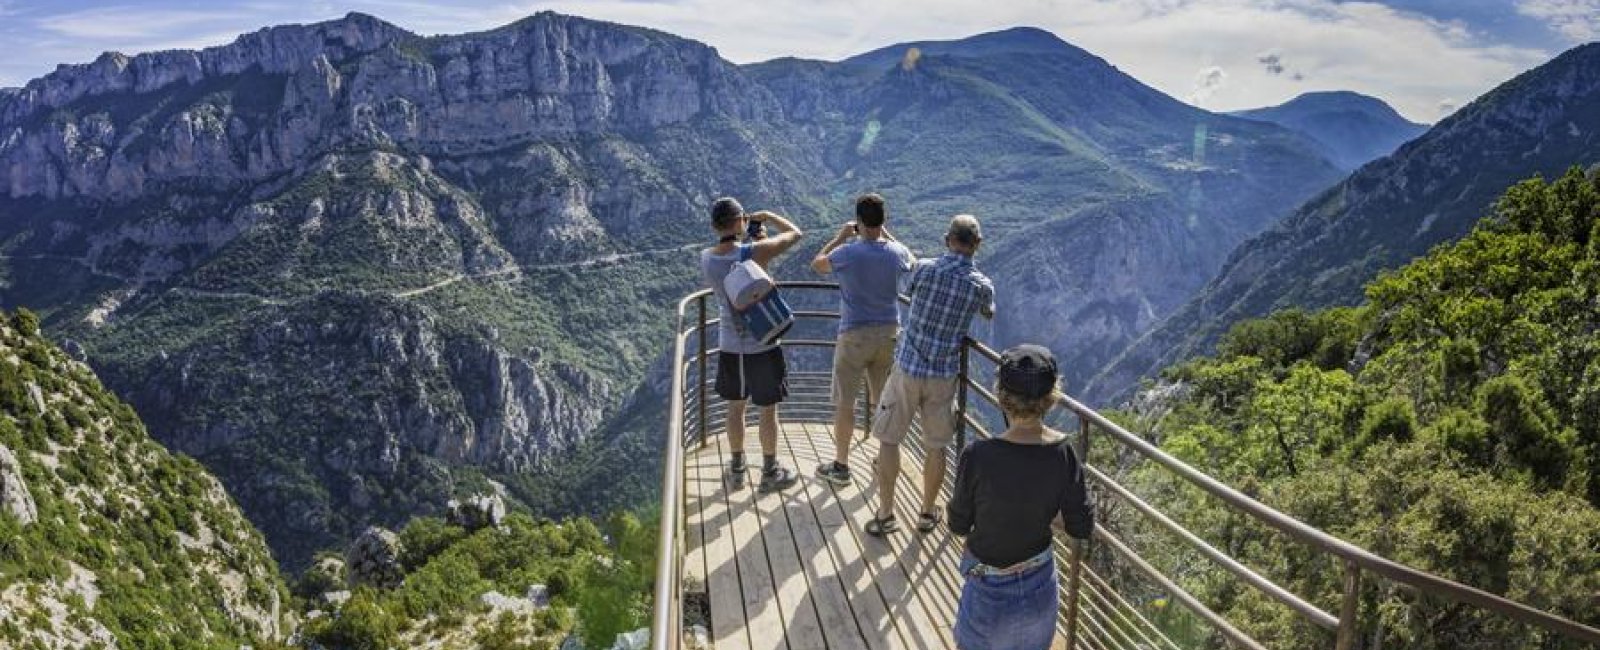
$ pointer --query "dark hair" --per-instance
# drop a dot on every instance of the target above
(869, 210)
(724, 212)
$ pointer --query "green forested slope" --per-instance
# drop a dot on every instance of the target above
(597, 583)
(124, 545)
(1451, 422)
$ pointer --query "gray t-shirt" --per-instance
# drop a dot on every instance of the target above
(731, 337)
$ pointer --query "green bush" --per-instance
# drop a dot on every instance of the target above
(1462, 440)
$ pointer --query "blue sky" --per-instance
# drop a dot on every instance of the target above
(1426, 57)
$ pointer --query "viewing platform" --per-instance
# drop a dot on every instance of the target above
(796, 565)
(795, 569)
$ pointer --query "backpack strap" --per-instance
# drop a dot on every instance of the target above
(746, 251)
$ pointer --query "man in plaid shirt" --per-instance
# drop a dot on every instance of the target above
(945, 294)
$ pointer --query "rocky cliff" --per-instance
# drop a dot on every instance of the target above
(106, 539)
(340, 262)
(352, 269)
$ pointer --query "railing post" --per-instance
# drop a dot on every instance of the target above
(700, 381)
(961, 399)
(1350, 609)
(1079, 547)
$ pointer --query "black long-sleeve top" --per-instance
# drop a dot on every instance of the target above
(1008, 493)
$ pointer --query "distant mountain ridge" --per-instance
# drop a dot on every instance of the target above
(1430, 191)
(1037, 136)
(355, 271)
(1016, 40)
(1354, 128)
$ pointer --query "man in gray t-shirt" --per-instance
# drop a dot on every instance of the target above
(746, 369)
(868, 270)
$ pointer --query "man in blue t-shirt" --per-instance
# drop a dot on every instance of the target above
(868, 270)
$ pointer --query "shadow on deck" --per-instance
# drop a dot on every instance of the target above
(795, 569)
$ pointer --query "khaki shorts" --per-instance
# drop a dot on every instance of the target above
(904, 397)
(862, 352)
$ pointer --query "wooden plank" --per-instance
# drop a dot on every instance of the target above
(932, 596)
(842, 619)
(837, 520)
(763, 617)
(792, 585)
(729, 630)
(920, 629)
(934, 563)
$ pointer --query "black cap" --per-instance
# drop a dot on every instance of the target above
(1028, 371)
(724, 211)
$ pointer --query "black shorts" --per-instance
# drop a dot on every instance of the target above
(761, 378)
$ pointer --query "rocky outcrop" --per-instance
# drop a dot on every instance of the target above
(15, 500)
(374, 560)
(274, 50)
(476, 512)
(279, 94)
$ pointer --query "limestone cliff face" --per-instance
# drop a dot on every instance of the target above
(273, 98)
(344, 265)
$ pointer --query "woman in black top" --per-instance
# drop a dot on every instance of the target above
(1008, 491)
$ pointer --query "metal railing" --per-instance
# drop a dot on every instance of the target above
(1094, 614)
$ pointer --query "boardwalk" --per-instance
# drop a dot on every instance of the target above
(795, 570)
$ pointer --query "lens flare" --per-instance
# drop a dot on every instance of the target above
(909, 61)
(869, 135)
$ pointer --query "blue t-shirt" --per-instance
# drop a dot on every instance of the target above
(869, 274)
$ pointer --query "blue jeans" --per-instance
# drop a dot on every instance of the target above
(1014, 612)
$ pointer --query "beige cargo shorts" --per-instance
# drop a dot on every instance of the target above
(932, 401)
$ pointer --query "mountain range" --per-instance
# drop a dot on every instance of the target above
(1433, 190)
(353, 270)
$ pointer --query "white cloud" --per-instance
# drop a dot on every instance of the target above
(114, 23)
(1403, 57)
(1578, 20)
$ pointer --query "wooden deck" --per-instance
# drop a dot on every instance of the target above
(795, 570)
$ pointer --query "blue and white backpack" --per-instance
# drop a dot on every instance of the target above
(758, 308)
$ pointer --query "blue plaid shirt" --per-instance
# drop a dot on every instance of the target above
(945, 293)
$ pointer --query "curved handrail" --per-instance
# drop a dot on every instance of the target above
(1307, 534)
(666, 626)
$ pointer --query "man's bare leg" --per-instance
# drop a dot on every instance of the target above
(768, 430)
(735, 426)
(933, 468)
(843, 426)
(774, 476)
(887, 468)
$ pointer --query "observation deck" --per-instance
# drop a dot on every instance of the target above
(795, 569)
